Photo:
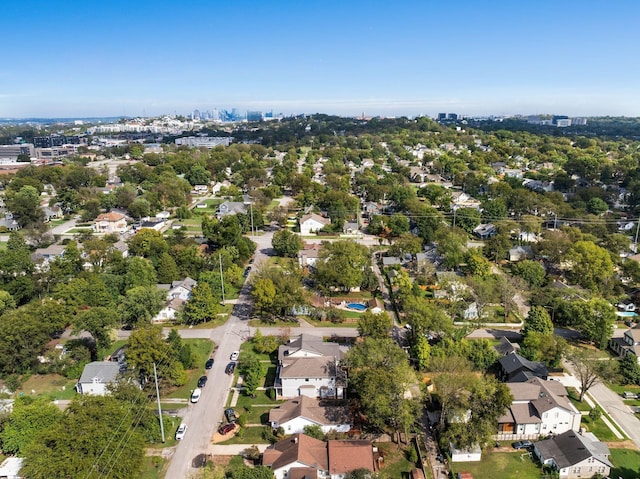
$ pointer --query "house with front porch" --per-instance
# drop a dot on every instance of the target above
(629, 343)
(297, 413)
(312, 223)
(309, 366)
(539, 408)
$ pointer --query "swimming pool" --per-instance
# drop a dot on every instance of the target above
(357, 306)
(626, 314)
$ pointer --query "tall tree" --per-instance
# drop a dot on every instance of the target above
(588, 368)
(286, 243)
(341, 265)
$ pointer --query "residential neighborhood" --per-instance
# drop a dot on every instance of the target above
(334, 306)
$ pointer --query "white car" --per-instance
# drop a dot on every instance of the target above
(182, 430)
(195, 395)
(235, 355)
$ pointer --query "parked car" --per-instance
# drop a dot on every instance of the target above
(235, 355)
(209, 363)
(230, 414)
(246, 271)
(195, 395)
(629, 395)
(182, 430)
(522, 445)
(227, 428)
(202, 381)
(231, 367)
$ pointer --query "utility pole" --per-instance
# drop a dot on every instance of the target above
(253, 236)
(155, 375)
(635, 242)
(454, 217)
(221, 277)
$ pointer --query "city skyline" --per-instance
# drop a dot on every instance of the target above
(146, 59)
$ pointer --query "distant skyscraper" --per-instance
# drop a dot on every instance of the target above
(195, 115)
(254, 116)
(442, 116)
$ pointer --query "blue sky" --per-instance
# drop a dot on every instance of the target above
(139, 57)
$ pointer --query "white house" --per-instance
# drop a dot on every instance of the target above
(575, 455)
(170, 311)
(10, 468)
(96, 376)
(312, 223)
(296, 413)
(308, 366)
(539, 407)
(179, 289)
(471, 454)
(308, 255)
(518, 253)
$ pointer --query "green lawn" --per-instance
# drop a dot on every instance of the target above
(396, 464)
(153, 467)
(600, 429)
(505, 465)
(573, 397)
(52, 385)
(626, 462)
(202, 349)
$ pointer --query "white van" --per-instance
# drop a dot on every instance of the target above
(195, 395)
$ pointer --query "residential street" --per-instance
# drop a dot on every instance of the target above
(204, 417)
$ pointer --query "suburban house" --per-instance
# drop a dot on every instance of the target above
(629, 343)
(308, 255)
(231, 208)
(170, 311)
(515, 368)
(296, 413)
(484, 231)
(539, 407)
(375, 305)
(312, 223)
(179, 289)
(505, 347)
(351, 228)
(460, 199)
(52, 213)
(626, 305)
(110, 223)
(96, 376)
(301, 456)
(574, 455)
(10, 224)
(48, 254)
(178, 293)
(308, 366)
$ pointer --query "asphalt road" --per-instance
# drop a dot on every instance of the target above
(204, 417)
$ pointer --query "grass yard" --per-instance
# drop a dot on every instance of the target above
(247, 347)
(153, 467)
(202, 349)
(503, 465)
(3, 246)
(626, 462)
(329, 324)
(267, 323)
(396, 464)
(53, 385)
(600, 429)
(620, 388)
(573, 397)
(256, 410)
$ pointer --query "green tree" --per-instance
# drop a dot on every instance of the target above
(597, 325)
(478, 265)
(591, 267)
(98, 322)
(198, 175)
(406, 243)
(167, 269)
(530, 271)
(286, 243)
(341, 265)
(263, 292)
(25, 204)
(287, 285)
(467, 219)
(398, 224)
(374, 325)
(315, 431)
(81, 443)
(597, 206)
(203, 306)
(148, 243)
(29, 418)
(629, 369)
(252, 373)
(141, 304)
(538, 320)
(452, 246)
(139, 272)
(381, 375)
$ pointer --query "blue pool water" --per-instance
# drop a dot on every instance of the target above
(358, 306)
(626, 314)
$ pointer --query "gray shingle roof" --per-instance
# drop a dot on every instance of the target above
(105, 371)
